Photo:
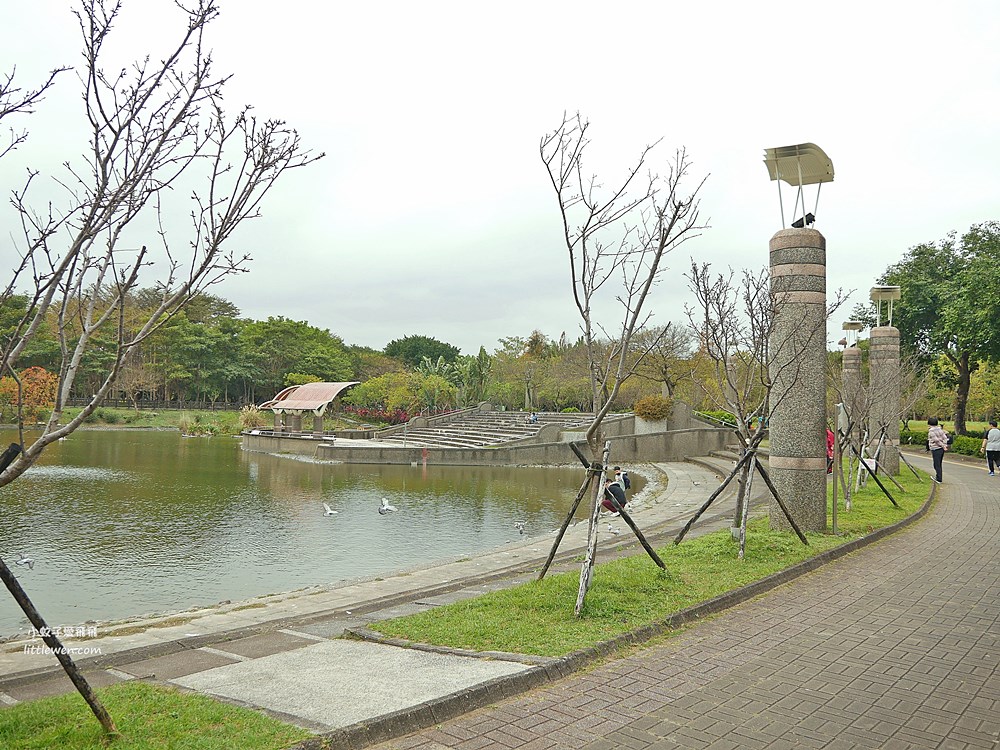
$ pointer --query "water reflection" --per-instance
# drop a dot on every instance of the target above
(124, 523)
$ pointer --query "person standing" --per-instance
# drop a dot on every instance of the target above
(991, 446)
(937, 443)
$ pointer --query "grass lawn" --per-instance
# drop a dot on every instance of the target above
(537, 617)
(149, 717)
(220, 422)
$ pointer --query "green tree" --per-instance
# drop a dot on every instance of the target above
(411, 350)
(950, 300)
(278, 346)
(475, 374)
(368, 363)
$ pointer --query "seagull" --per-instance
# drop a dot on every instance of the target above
(519, 525)
(22, 560)
(386, 508)
(329, 511)
(613, 530)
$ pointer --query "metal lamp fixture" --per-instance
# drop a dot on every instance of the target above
(799, 165)
(887, 294)
(852, 327)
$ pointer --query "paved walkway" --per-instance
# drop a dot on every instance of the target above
(894, 646)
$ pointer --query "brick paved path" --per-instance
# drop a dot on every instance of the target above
(895, 646)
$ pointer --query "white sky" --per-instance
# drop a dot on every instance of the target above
(432, 214)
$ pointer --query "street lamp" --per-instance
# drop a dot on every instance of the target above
(887, 294)
(852, 327)
(799, 165)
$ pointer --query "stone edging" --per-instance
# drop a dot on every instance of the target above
(429, 713)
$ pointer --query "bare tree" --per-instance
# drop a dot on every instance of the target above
(616, 240)
(667, 352)
(733, 319)
(158, 133)
(17, 101)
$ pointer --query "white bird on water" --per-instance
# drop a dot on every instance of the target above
(386, 508)
(22, 560)
(519, 525)
(329, 511)
(613, 530)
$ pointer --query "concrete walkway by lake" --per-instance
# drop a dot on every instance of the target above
(894, 646)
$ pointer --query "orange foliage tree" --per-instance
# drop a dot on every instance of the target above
(37, 393)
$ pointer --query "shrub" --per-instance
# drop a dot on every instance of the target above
(251, 418)
(723, 416)
(966, 445)
(570, 410)
(653, 408)
(913, 437)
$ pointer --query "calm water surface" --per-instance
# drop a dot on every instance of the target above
(124, 523)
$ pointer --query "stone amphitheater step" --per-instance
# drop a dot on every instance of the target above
(481, 429)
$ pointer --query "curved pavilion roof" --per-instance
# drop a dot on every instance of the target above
(314, 397)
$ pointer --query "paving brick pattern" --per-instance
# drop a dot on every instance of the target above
(895, 646)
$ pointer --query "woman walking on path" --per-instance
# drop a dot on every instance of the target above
(991, 446)
(937, 443)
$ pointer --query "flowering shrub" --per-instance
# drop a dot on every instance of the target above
(377, 414)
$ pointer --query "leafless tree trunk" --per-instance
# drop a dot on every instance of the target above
(616, 240)
(733, 320)
(158, 134)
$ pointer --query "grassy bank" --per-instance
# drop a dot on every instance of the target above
(190, 421)
(537, 617)
(149, 717)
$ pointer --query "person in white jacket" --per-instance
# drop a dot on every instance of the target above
(937, 443)
(991, 446)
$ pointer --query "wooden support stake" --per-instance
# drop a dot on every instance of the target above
(565, 525)
(587, 568)
(910, 466)
(713, 496)
(774, 492)
(871, 473)
(53, 642)
(638, 534)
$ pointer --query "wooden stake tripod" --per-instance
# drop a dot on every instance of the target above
(595, 485)
(747, 463)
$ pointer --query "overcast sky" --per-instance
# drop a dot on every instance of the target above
(432, 214)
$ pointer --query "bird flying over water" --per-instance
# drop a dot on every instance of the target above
(329, 511)
(22, 560)
(386, 508)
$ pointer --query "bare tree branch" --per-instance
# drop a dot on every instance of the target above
(617, 236)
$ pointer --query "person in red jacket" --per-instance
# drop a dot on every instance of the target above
(830, 439)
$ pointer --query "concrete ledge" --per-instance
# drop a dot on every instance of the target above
(427, 714)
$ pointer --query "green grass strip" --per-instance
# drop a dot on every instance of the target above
(629, 593)
(149, 717)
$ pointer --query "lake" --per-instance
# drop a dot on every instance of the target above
(124, 523)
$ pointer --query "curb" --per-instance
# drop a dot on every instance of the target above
(396, 724)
